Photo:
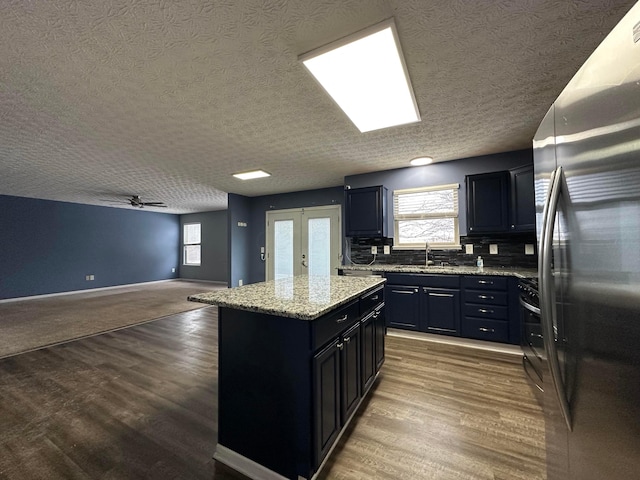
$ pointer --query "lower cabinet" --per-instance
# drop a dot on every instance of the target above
(426, 303)
(482, 307)
(343, 372)
(403, 306)
(441, 310)
(338, 387)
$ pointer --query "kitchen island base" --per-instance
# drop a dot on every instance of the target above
(289, 386)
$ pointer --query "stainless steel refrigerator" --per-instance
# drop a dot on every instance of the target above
(587, 180)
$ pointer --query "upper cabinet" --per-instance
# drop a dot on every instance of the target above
(487, 202)
(366, 212)
(501, 202)
(523, 209)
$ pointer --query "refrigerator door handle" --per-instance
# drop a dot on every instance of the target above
(547, 302)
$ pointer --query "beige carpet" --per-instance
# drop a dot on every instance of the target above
(34, 323)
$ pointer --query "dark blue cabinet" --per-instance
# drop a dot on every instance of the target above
(366, 212)
(523, 210)
(402, 306)
(441, 310)
(488, 203)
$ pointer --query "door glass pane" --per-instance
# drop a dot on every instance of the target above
(283, 249)
(319, 246)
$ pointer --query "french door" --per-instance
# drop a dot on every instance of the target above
(303, 241)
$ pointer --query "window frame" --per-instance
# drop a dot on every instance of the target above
(455, 214)
(186, 244)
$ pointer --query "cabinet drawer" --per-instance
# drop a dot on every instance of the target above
(486, 311)
(437, 281)
(484, 282)
(487, 297)
(331, 325)
(483, 329)
(371, 300)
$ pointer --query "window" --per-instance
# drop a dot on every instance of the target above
(428, 214)
(191, 241)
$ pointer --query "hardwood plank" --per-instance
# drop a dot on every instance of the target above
(142, 403)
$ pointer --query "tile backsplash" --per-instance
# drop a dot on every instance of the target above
(511, 252)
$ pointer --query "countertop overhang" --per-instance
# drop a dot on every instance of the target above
(302, 297)
(444, 270)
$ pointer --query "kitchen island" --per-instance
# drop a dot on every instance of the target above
(296, 358)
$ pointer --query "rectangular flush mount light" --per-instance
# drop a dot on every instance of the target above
(251, 175)
(366, 75)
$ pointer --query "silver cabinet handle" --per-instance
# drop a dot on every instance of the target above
(374, 298)
(347, 339)
(536, 335)
(342, 319)
(483, 310)
(486, 297)
(485, 282)
(340, 346)
(484, 329)
(431, 294)
(403, 291)
(548, 311)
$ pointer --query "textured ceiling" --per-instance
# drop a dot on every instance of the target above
(166, 99)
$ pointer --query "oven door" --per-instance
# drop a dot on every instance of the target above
(532, 342)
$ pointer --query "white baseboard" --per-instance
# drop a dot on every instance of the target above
(462, 342)
(89, 290)
(244, 465)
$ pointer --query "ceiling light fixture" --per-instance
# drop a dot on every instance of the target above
(251, 175)
(421, 161)
(366, 76)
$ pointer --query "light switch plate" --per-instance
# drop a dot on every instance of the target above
(468, 249)
(387, 249)
(374, 250)
(528, 249)
(493, 249)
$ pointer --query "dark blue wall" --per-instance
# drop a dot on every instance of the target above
(214, 261)
(441, 174)
(239, 211)
(259, 207)
(49, 247)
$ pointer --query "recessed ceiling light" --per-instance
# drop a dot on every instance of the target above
(251, 175)
(366, 75)
(421, 161)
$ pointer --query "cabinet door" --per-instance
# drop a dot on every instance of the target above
(326, 393)
(402, 306)
(488, 203)
(365, 211)
(380, 331)
(368, 351)
(523, 208)
(441, 310)
(351, 371)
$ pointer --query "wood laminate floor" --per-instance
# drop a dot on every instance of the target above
(141, 403)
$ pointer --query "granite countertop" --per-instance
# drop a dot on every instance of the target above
(303, 297)
(445, 270)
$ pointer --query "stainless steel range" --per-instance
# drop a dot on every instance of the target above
(532, 340)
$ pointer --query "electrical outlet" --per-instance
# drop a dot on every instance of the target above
(468, 249)
(528, 249)
(173, 270)
(240, 282)
(493, 249)
(374, 250)
(386, 249)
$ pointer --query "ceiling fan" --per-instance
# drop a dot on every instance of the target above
(136, 201)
